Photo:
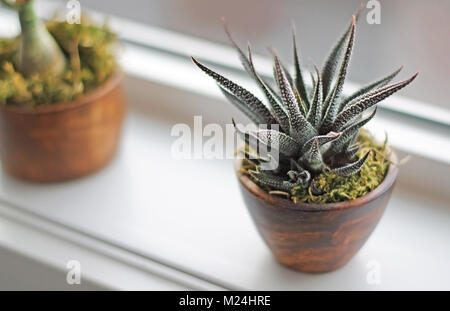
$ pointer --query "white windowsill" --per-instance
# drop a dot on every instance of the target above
(180, 217)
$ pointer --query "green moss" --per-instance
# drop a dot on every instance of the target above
(337, 188)
(89, 49)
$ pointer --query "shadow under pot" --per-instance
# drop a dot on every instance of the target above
(63, 141)
(315, 237)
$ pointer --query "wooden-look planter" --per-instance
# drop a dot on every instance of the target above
(315, 237)
(62, 141)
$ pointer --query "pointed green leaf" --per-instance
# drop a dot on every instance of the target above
(286, 71)
(352, 168)
(332, 103)
(300, 129)
(240, 105)
(274, 182)
(322, 140)
(243, 58)
(299, 82)
(332, 61)
(313, 158)
(315, 111)
(278, 110)
(313, 89)
(352, 151)
(270, 138)
(300, 102)
(366, 102)
(368, 88)
(254, 105)
(280, 141)
(272, 97)
(349, 132)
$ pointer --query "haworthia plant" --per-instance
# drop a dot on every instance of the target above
(318, 127)
(38, 52)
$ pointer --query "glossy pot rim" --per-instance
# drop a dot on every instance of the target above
(282, 203)
(90, 96)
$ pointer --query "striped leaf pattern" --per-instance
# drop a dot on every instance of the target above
(318, 126)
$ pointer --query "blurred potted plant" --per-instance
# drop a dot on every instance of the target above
(61, 98)
(333, 180)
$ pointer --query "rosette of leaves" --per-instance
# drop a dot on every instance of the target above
(318, 126)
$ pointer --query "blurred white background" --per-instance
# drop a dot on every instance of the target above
(414, 33)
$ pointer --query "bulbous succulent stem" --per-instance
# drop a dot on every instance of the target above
(38, 52)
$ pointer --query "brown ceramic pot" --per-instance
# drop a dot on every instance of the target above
(315, 237)
(62, 141)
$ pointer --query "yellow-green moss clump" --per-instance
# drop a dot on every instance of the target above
(91, 61)
(337, 188)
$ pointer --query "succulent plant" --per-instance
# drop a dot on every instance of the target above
(55, 61)
(318, 126)
(38, 51)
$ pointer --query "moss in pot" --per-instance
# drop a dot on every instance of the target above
(61, 98)
(334, 180)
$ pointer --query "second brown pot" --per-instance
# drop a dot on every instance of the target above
(62, 141)
(315, 237)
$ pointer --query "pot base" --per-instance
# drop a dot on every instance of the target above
(315, 238)
(63, 141)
